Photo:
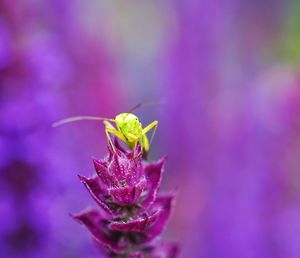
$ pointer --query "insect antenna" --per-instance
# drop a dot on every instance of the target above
(146, 103)
(79, 118)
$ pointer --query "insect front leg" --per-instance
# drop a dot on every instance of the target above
(146, 144)
(109, 128)
(109, 139)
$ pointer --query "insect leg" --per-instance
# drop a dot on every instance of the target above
(154, 125)
(145, 142)
(109, 128)
(116, 133)
(132, 137)
(108, 124)
(109, 139)
(149, 127)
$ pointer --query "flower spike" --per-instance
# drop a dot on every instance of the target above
(131, 213)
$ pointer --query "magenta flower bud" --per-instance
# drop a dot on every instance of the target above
(133, 215)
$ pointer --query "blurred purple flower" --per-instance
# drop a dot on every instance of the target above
(38, 64)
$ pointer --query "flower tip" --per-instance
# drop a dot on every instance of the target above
(75, 217)
(162, 162)
(93, 158)
(99, 166)
(95, 161)
(72, 215)
(175, 191)
(81, 178)
(165, 158)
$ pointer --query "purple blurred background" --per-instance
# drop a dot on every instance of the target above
(227, 73)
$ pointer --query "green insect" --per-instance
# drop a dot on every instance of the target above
(127, 128)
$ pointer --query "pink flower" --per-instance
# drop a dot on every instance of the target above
(132, 213)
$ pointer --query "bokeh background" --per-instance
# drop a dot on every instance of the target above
(226, 78)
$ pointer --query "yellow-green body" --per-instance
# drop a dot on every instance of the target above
(130, 130)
